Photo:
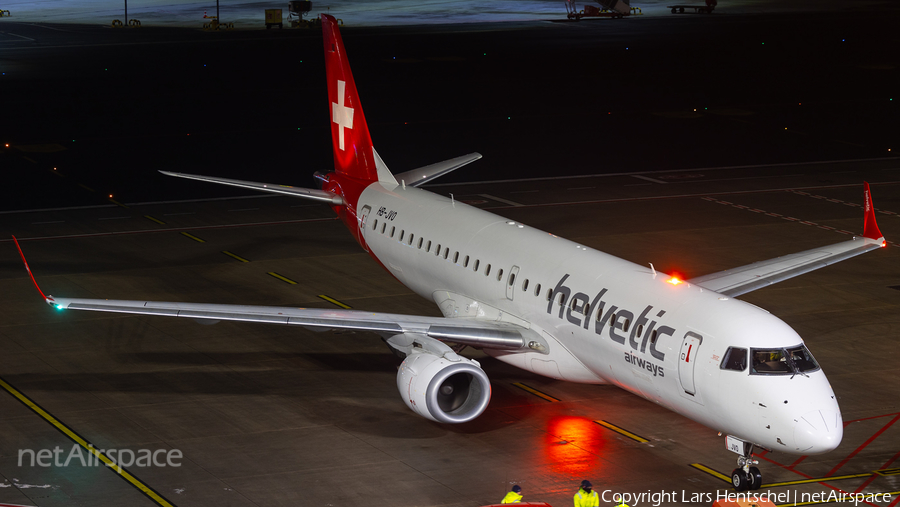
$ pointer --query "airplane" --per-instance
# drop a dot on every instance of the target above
(549, 305)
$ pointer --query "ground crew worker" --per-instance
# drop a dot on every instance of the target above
(513, 496)
(622, 503)
(586, 497)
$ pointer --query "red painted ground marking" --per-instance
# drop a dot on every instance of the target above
(792, 219)
(892, 504)
(804, 222)
(774, 215)
(839, 490)
(868, 418)
(828, 227)
(863, 446)
(792, 465)
(875, 476)
(725, 202)
(740, 206)
(756, 210)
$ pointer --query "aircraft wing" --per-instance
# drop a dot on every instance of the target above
(741, 280)
(477, 333)
(496, 335)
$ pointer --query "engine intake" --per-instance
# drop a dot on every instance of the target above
(442, 390)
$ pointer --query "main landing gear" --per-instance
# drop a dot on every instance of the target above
(745, 477)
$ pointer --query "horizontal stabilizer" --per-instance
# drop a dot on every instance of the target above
(304, 193)
(423, 175)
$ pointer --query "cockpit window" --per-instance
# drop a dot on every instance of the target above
(789, 361)
(802, 359)
(735, 359)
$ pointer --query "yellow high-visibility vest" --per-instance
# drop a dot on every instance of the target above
(585, 499)
(511, 497)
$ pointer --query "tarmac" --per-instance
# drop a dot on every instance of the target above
(265, 415)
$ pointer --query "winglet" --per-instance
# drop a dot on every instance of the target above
(47, 299)
(870, 228)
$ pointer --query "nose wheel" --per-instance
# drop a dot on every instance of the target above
(746, 476)
(746, 480)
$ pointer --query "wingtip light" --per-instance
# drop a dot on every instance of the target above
(674, 280)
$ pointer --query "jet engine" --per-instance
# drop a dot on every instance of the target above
(442, 390)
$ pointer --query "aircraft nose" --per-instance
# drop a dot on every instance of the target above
(818, 431)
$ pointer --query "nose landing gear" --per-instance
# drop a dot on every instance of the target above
(745, 477)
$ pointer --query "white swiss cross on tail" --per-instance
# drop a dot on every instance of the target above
(341, 114)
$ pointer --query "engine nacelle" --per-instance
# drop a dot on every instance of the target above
(442, 390)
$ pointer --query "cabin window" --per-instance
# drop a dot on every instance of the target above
(562, 298)
(475, 267)
(653, 338)
(383, 227)
(612, 320)
(586, 310)
(625, 325)
(437, 251)
(421, 240)
(500, 275)
(402, 232)
(735, 359)
(466, 262)
(549, 294)
(446, 252)
(525, 285)
(788, 361)
(392, 231)
(456, 258)
(375, 224)
(487, 270)
(428, 246)
(537, 290)
(640, 330)
(573, 303)
(411, 236)
(512, 279)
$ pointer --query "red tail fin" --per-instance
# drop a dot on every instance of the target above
(352, 145)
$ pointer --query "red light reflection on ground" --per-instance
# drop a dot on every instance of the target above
(574, 446)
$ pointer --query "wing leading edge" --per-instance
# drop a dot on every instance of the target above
(476, 333)
(495, 335)
(741, 280)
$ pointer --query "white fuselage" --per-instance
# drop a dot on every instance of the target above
(661, 341)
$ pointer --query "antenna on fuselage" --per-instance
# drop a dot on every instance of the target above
(653, 269)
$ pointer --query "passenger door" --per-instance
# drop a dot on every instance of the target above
(687, 359)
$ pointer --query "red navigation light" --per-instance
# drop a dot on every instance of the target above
(674, 280)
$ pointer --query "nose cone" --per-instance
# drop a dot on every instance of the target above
(818, 432)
